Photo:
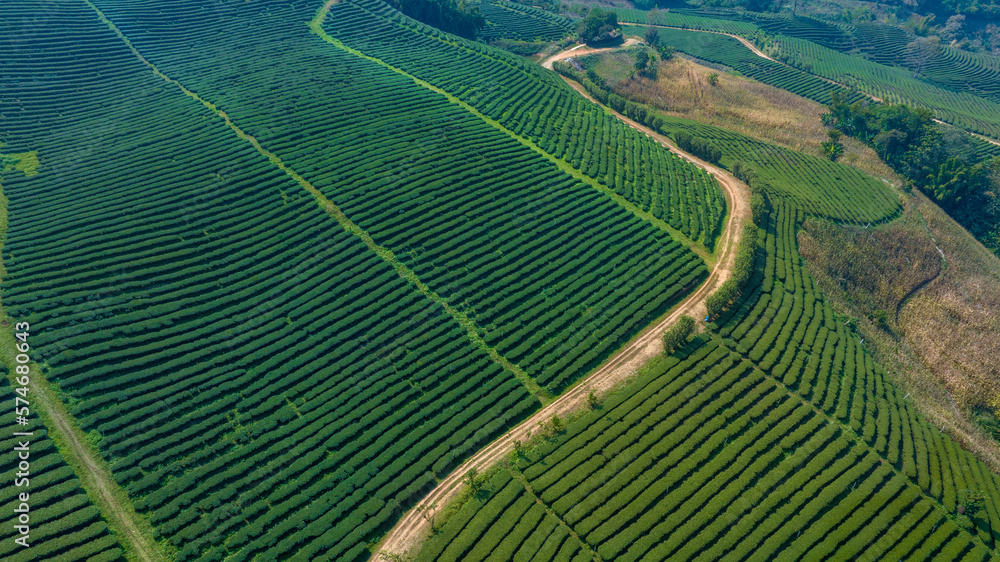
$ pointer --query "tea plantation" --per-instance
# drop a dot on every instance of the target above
(62, 521)
(266, 376)
(293, 262)
(817, 185)
(773, 437)
(513, 20)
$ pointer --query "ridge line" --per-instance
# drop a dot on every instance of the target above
(551, 512)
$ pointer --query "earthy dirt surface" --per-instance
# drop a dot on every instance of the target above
(410, 532)
(96, 477)
(583, 49)
(743, 40)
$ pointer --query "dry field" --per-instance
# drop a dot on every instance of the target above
(743, 105)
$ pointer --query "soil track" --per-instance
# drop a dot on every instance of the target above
(746, 42)
(408, 534)
(583, 49)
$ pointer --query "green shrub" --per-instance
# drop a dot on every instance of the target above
(678, 334)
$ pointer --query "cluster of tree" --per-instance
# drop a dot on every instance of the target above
(833, 148)
(645, 64)
(678, 334)
(600, 26)
(598, 87)
(461, 17)
(745, 173)
(652, 38)
(702, 148)
(941, 161)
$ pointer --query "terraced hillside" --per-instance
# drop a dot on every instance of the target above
(819, 186)
(290, 287)
(775, 436)
(892, 45)
(512, 20)
(448, 162)
(971, 108)
(720, 49)
(544, 111)
(50, 514)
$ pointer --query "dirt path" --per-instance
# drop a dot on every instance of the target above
(133, 532)
(746, 42)
(410, 532)
(977, 135)
(583, 49)
(96, 478)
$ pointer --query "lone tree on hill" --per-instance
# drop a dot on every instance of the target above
(652, 37)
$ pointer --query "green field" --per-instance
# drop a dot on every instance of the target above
(63, 523)
(952, 68)
(266, 376)
(286, 273)
(538, 107)
(820, 187)
(727, 51)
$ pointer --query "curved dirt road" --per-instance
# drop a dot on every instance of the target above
(410, 532)
(583, 49)
(746, 42)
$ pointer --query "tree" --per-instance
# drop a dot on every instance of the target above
(645, 65)
(641, 60)
(975, 502)
(921, 51)
(757, 208)
(600, 26)
(744, 172)
(922, 26)
(473, 481)
(666, 51)
(833, 147)
(652, 37)
(678, 334)
(953, 27)
(459, 18)
(713, 78)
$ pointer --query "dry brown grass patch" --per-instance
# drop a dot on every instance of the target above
(945, 343)
(746, 106)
